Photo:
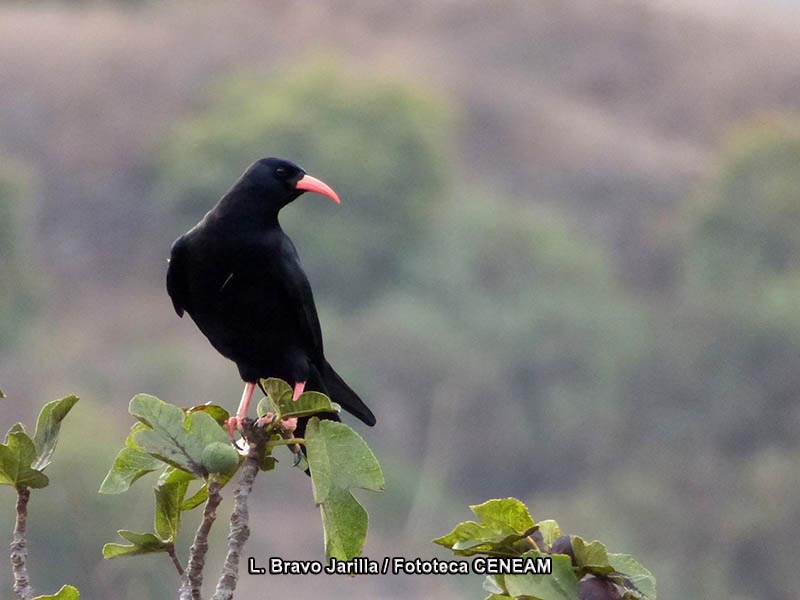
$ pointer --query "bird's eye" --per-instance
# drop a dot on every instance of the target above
(282, 172)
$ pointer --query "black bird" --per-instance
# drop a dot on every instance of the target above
(239, 277)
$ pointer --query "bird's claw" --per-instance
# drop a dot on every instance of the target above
(265, 420)
(287, 425)
(235, 424)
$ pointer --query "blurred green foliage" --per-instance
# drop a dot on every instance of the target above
(747, 229)
(743, 285)
(381, 144)
(719, 383)
(16, 272)
(535, 311)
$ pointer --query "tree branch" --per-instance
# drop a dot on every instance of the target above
(192, 579)
(19, 548)
(240, 530)
(175, 560)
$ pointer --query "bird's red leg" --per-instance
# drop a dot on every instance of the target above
(291, 424)
(235, 423)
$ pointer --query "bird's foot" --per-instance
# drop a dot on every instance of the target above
(266, 419)
(295, 448)
(289, 425)
(286, 427)
(235, 423)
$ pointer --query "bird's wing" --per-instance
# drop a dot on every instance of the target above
(176, 277)
(297, 288)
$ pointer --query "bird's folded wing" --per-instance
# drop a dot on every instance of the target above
(298, 290)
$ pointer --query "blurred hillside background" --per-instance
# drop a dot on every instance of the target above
(566, 266)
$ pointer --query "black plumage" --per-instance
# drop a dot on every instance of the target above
(239, 277)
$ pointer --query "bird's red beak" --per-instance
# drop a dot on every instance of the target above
(308, 183)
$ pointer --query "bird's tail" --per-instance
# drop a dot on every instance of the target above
(333, 386)
(341, 393)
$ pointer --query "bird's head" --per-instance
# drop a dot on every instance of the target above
(279, 182)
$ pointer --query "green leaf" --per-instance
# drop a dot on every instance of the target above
(141, 543)
(16, 456)
(504, 514)
(469, 538)
(66, 592)
(135, 428)
(549, 530)
(219, 414)
(494, 585)
(277, 389)
(129, 466)
(561, 584)
(196, 499)
(634, 575)
(170, 492)
(592, 557)
(176, 440)
(340, 460)
(308, 404)
(503, 522)
(279, 400)
(47, 427)
(344, 522)
(266, 462)
(266, 405)
(498, 597)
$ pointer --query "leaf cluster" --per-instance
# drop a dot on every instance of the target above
(180, 444)
(175, 442)
(580, 569)
(23, 458)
